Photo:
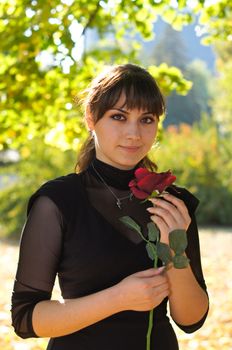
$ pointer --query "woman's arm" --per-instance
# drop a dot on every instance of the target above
(188, 301)
(141, 291)
(34, 314)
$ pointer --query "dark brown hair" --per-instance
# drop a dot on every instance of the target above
(141, 92)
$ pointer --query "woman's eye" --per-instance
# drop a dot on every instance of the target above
(148, 120)
(118, 117)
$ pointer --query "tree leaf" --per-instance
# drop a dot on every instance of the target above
(164, 253)
(151, 250)
(178, 241)
(180, 261)
(153, 232)
(129, 222)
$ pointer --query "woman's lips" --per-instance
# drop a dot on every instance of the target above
(131, 149)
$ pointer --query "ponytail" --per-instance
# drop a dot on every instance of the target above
(148, 163)
(86, 154)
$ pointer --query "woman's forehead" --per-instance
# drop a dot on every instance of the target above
(121, 102)
(124, 103)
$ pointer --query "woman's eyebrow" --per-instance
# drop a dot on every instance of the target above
(120, 110)
(126, 112)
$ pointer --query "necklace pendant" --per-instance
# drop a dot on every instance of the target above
(119, 203)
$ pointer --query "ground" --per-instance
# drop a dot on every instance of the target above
(216, 245)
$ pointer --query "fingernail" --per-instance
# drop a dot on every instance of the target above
(161, 269)
(149, 209)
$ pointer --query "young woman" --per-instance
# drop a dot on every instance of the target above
(73, 230)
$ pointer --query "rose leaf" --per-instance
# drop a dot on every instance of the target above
(151, 250)
(153, 232)
(164, 253)
(178, 241)
(129, 222)
(180, 261)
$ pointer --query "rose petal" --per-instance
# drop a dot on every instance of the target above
(140, 173)
(138, 193)
(149, 183)
(165, 183)
(132, 183)
(146, 182)
(156, 181)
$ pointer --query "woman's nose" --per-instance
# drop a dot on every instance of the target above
(133, 131)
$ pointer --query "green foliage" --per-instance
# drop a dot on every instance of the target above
(201, 158)
(178, 241)
(151, 250)
(45, 62)
(164, 253)
(130, 223)
(180, 261)
(170, 79)
(153, 232)
(222, 105)
(170, 48)
(216, 21)
(44, 163)
(214, 17)
(156, 249)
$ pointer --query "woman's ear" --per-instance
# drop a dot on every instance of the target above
(89, 121)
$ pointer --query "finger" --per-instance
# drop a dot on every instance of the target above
(170, 218)
(177, 209)
(162, 288)
(161, 224)
(161, 296)
(170, 208)
(163, 204)
(177, 202)
(150, 272)
(157, 281)
(182, 209)
(160, 293)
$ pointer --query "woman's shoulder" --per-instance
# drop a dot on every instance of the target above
(191, 201)
(64, 191)
(63, 185)
(62, 182)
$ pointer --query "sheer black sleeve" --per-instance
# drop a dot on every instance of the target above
(193, 253)
(40, 248)
(193, 248)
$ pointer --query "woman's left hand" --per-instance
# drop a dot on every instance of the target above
(168, 215)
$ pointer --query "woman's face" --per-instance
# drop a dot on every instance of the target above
(123, 137)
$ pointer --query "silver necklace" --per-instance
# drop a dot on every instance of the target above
(118, 200)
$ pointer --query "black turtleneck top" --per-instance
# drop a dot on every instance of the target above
(73, 231)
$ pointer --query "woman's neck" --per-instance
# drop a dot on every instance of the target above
(113, 176)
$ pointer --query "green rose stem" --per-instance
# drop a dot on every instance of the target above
(157, 249)
(153, 235)
(150, 324)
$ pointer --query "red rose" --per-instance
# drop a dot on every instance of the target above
(146, 182)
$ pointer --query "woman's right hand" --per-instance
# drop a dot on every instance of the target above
(144, 290)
